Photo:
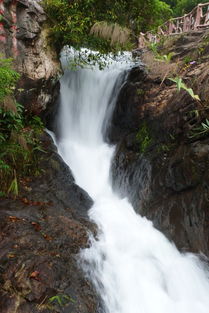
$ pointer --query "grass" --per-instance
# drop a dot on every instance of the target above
(143, 137)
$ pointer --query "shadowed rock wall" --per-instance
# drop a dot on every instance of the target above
(159, 164)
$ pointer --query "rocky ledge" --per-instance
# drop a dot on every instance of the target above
(162, 156)
(41, 234)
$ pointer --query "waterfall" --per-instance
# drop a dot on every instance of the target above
(134, 268)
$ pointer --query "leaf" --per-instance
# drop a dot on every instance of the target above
(181, 85)
(61, 299)
(36, 226)
(11, 255)
(47, 237)
(35, 275)
(14, 219)
(25, 200)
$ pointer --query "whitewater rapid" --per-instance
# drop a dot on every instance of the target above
(134, 268)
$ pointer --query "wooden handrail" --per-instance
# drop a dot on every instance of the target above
(193, 21)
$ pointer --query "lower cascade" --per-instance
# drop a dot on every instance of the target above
(134, 268)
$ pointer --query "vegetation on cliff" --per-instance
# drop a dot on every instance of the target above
(18, 134)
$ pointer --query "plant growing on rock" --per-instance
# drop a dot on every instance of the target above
(181, 85)
(159, 66)
(143, 137)
(200, 130)
(61, 299)
(19, 134)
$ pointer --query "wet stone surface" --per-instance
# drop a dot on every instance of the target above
(41, 234)
(167, 179)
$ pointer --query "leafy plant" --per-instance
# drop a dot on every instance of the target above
(200, 130)
(187, 59)
(13, 188)
(8, 78)
(165, 58)
(19, 134)
(154, 47)
(61, 299)
(143, 137)
(102, 25)
(181, 85)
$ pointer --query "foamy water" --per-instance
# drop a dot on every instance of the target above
(133, 266)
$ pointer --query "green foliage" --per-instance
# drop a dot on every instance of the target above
(140, 92)
(200, 130)
(13, 188)
(154, 48)
(143, 137)
(165, 58)
(181, 85)
(186, 6)
(187, 59)
(61, 300)
(19, 135)
(71, 22)
(172, 3)
(8, 78)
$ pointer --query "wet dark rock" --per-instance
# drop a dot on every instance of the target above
(125, 116)
(171, 189)
(131, 175)
(166, 181)
(41, 234)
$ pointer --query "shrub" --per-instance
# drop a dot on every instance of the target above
(19, 134)
(143, 137)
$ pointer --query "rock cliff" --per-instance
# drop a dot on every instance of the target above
(162, 155)
(41, 234)
(24, 37)
(43, 229)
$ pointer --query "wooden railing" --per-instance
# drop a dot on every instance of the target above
(197, 19)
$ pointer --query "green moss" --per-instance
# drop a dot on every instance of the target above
(140, 92)
(166, 147)
(187, 59)
(143, 137)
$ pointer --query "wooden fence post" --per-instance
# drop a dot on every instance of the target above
(198, 17)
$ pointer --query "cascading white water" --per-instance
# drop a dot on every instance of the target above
(133, 266)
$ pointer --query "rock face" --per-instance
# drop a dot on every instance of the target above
(124, 117)
(24, 37)
(45, 227)
(163, 165)
(41, 234)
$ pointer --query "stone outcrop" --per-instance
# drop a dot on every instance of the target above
(41, 234)
(44, 228)
(24, 37)
(162, 166)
